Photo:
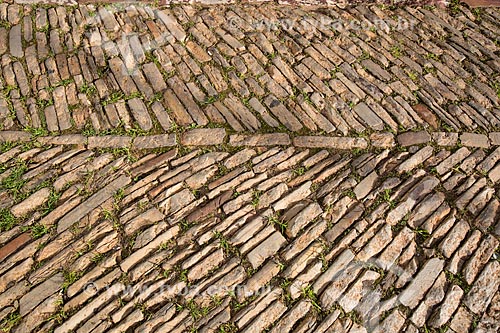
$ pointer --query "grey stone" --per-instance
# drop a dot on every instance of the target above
(140, 113)
(330, 142)
(366, 185)
(369, 117)
(413, 138)
(15, 43)
(483, 290)
(412, 295)
(273, 139)
(266, 249)
(37, 295)
(474, 140)
(154, 141)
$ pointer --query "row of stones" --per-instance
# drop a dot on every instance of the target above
(337, 3)
(217, 136)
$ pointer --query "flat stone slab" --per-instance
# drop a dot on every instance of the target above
(330, 142)
(203, 137)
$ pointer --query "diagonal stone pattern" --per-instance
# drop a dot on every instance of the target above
(223, 169)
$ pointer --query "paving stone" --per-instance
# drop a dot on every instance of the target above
(416, 159)
(413, 138)
(382, 140)
(483, 289)
(154, 141)
(91, 203)
(31, 203)
(480, 258)
(140, 113)
(89, 309)
(368, 116)
(474, 140)
(448, 307)
(203, 137)
(495, 138)
(300, 220)
(366, 185)
(297, 195)
(109, 141)
(40, 293)
(266, 249)
(450, 162)
(421, 283)
(260, 140)
(15, 43)
(13, 136)
(68, 139)
(338, 265)
(191, 212)
(329, 142)
(420, 190)
(445, 138)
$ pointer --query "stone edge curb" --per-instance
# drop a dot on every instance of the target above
(219, 136)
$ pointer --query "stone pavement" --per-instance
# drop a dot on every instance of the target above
(249, 168)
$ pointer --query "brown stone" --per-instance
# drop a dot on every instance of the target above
(14, 245)
(203, 137)
(109, 141)
(483, 290)
(31, 203)
(495, 138)
(14, 136)
(423, 111)
(382, 140)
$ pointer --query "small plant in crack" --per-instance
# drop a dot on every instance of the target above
(422, 233)
(10, 321)
(277, 223)
(224, 244)
(309, 293)
(37, 230)
(256, 197)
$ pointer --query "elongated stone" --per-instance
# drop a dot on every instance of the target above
(412, 295)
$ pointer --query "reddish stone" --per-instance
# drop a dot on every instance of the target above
(14, 244)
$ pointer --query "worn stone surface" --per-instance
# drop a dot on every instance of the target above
(421, 283)
(154, 141)
(413, 138)
(31, 203)
(474, 140)
(203, 137)
(329, 142)
(483, 289)
(274, 139)
(205, 168)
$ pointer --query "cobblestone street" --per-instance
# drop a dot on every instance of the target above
(248, 168)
